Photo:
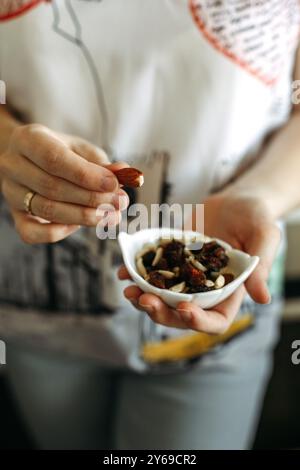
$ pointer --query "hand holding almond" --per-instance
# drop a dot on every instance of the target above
(69, 177)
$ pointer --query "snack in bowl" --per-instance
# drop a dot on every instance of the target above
(234, 262)
(172, 264)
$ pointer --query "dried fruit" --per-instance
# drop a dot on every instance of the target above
(173, 252)
(130, 177)
(194, 276)
(162, 264)
(170, 264)
(228, 278)
(157, 280)
(148, 258)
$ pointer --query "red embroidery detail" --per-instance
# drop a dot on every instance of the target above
(212, 36)
(10, 9)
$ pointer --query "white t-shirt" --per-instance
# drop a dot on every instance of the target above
(186, 90)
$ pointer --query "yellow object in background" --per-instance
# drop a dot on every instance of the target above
(192, 345)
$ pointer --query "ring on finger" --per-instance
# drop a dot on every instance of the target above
(28, 201)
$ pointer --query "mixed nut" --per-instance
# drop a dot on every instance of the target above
(172, 264)
(130, 177)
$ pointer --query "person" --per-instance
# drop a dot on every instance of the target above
(198, 96)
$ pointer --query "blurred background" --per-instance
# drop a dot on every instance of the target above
(279, 422)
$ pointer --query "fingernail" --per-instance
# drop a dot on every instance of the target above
(133, 301)
(185, 314)
(120, 201)
(105, 209)
(108, 184)
(148, 308)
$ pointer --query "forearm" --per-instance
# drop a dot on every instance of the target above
(274, 178)
(7, 124)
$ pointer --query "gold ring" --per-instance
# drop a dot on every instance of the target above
(28, 201)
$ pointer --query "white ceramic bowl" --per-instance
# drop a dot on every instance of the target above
(240, 264)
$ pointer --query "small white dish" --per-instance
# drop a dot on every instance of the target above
(240, 264)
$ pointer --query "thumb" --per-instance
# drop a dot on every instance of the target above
(95, 154)
(113, 167)
(264, 244)
(89, 152)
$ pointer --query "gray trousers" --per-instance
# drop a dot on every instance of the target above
(214, 405)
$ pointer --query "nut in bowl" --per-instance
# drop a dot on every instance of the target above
(185, 266)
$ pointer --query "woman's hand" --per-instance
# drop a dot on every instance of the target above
(70, 177)
(245, 222)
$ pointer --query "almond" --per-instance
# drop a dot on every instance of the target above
(141, 268)
(166, 274)
(130, 177)
(178, 287)
(220, 282)
(158, 256)
(197, 264)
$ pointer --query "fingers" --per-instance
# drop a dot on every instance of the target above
(94, 154)
(53, 156)
(123, 274)
(150, 304)
(89, 151)
(33, 231)
(257, 287)
(133, 293)
(57, 212)
(25, 173)
(187, 315)
(158, 311)
(264, 244)
(113, 167)
(214, 321)
(61, 212)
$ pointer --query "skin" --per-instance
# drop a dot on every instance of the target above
(243, 214)
(68, 174)
(244, 223)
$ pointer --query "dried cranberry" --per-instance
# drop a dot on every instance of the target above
(210, 247)
(219, 251)
(162, 264)
(200, 288)
(214, 263)
(173, 252)
(174, 245)
(192, 275)
(157, 280)
(170, 283)
(228, 278)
